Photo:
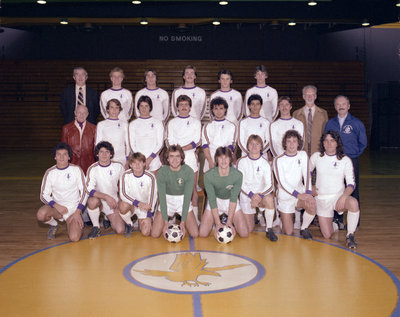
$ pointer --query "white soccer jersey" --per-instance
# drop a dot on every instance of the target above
(218, 133)
(104, 179)
(124, 96)
(65, 187)
(198, 96)
(183, 131)
(257, 176)
(160, 100)
(291, 172)
(133, 189)
(114, 131)
(146, 135)
(278, 128)
(235, 103)
(269, 95)
(252, 125)
(331, 173)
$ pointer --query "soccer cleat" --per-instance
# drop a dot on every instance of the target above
(51, 234)
(106, 223)
(128, 231)
(350, 242)
(306, 234)
(271, 235)
(94, 233)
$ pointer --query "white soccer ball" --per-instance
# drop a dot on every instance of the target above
(174, 234)
(225, 235)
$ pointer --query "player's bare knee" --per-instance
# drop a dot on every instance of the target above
(93, 203)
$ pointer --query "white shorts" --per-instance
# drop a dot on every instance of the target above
(326, 204)
(245, 205)
(286, 205)
(174, 205)
(106, 208)
(140, 213)
(71, 209)
(223, 206)
(191, 160)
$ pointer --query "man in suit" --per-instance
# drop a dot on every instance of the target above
(79, 94)
(314, 119)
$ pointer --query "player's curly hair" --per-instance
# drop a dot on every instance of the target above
(146, 99)
(174, 148)
(223, 150)
(336, 136)
(292, 134)
(107, 145)
(62, 146)
(218, 101)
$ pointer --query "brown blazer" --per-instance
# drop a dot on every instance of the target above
(319, 120)
(83, 151)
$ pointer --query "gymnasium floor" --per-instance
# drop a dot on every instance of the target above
(115, 276)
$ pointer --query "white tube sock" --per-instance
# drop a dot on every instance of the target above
(94, 215)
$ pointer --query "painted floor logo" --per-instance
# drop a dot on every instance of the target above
(195, 272)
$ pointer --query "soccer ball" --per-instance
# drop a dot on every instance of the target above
(174, 234)
(225, 235)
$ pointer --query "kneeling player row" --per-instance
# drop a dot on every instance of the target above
(64, 191)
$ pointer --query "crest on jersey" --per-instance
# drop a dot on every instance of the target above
(299, 162)
(179, 181)
(158, 96)
(119, 125)
(198, 272)
(141, 184)
(229, 187)
(293, 127)
(258, 169)
(187, 123)
(223, 126)
(152, 126)
(111, 173)
(347, 129)
(260, 125)
(68, 176)
(193, 95)
(335, 165)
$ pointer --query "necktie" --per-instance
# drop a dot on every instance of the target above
(309, 128)
(80, 97)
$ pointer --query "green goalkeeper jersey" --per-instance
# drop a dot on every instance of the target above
(222, 187)
(175, 184)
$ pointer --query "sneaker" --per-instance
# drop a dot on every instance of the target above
(128, 231)
(106, 223)
(350, 242)
(94, 233)
(271, 235)
(306, 234)
(51, 234)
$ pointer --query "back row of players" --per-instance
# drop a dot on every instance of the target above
(223, 182)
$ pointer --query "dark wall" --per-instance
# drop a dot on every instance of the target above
(203, 42)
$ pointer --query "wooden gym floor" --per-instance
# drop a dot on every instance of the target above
(114, 276)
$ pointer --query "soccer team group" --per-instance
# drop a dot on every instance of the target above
(260, 162)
